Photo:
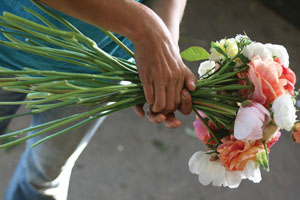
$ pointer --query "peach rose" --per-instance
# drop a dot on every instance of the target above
(234, 154)
(296, 132)
(270, 79)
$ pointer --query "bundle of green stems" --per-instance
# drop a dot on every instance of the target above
(103, 91)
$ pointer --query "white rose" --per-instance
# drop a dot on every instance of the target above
(206, 67)
(257, 49)
(214, 172)
(284, 112)
(280, 52)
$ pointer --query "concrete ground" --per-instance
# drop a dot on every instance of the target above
(131, 159)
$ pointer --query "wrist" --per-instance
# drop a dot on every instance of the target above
(147, 27)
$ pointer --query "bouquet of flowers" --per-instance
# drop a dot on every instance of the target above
(237, 148)
(243, 97)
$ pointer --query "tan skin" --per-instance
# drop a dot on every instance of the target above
(154, 33)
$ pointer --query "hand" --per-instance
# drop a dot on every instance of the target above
(170, 120)
(162, 71)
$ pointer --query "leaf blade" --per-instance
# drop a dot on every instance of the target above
(194, 53)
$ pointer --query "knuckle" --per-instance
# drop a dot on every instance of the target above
(160, 83)
(168, 76)
(170, 107)
(158, 107)
(171, 76)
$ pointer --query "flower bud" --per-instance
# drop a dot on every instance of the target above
(269, 132)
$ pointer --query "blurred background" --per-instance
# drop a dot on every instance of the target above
(131, 159)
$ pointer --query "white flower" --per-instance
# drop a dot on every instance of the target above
(214, 172)
(280, 52)
(284, 112)
(257, 49)
(240, 37)
(267, 51)
(230, 50)
(206, 67)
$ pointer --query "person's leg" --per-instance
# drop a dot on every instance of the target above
(8, 109)
(44, 171)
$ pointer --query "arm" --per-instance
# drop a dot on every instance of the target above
(159, 63)
(171, 12)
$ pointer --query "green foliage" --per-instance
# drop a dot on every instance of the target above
(194, 53)
(263, 158)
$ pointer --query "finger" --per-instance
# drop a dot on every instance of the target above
(179, 86)
(156, 118)
(160, 97)
(172, 121)
(186, 102)
(139, 110)
(149, 92)
(190, 80)
(170, 98)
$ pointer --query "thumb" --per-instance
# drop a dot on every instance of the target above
(186, 102)
(190, 80)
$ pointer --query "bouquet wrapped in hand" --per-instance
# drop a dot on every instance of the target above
(243, 97)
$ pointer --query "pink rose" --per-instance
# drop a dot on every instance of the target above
(201, 130)
(250, 121)
(270, 79)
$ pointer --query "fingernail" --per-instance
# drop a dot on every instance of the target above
(178, 123)
(160, 118)
(193, 84)
(185, 94)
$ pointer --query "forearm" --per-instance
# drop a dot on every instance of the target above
(127, 17)
(171, 12)
(161, 69)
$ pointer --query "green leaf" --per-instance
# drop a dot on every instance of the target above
(246, 103)
(194, 53)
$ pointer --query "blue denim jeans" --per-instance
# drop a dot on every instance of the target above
(43, 172)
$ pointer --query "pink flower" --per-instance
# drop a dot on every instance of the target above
(201, 130)
(270, 79)
(274, 140)
(250, 121)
